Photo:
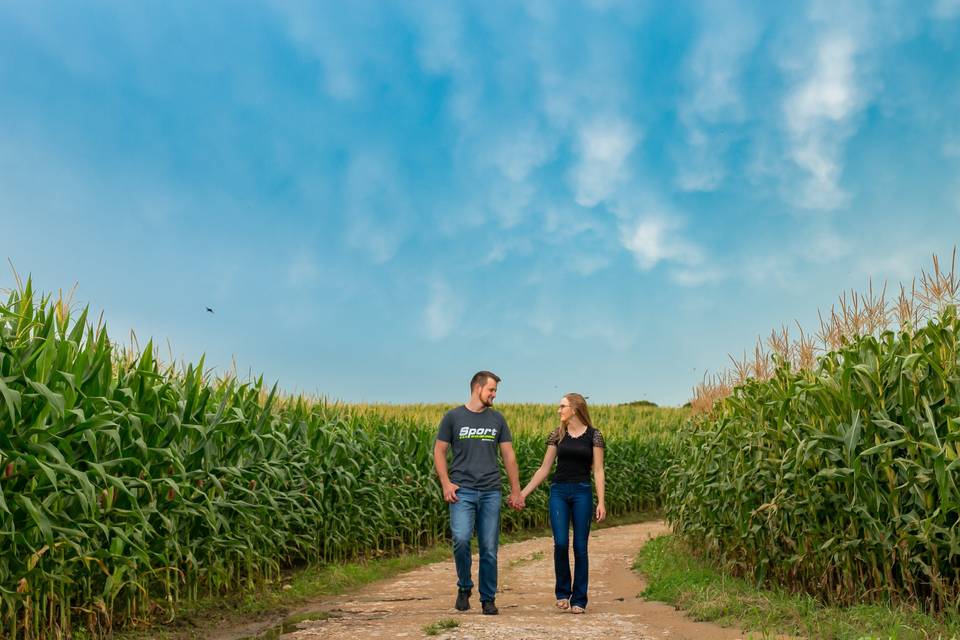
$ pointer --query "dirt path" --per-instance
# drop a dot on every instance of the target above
(402, 606)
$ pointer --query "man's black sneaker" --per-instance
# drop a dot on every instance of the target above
(463, 599)
(489, 608)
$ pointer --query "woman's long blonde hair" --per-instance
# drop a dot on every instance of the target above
(579, 405)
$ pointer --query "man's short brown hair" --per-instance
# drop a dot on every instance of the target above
(480, 378)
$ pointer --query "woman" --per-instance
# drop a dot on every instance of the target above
(578, 448)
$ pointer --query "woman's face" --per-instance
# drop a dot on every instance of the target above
(565, 410)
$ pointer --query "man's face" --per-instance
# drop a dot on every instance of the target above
(488, 392)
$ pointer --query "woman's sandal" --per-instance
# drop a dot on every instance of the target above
(563, 604)
(577, 609)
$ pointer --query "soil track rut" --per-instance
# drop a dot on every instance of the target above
(400, 607)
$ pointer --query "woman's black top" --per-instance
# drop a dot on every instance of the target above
(575, 455)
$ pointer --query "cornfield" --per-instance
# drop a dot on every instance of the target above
(838, 478)
(128, 487)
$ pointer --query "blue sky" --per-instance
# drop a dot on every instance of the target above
(379, 199)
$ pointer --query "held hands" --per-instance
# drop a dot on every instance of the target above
(450, 492)
(601, 512)
(516, 501)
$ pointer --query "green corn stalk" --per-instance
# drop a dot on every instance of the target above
(838, 481)
(128, 486)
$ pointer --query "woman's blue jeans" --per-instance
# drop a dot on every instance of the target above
(480, 508)
(571, 502)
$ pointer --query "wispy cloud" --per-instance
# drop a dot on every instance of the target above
(443, 311)
(698, 276)
(831, 83)
(586, 264)
(606, 329)
(713, 97)
(604, 145)
(509, 201)
(818, 112)
(826, 246)
(900, 265)
(377, 206)
(655, 238)
(587, 323)
(507, 246)
(323, 37)
(762, 270)
(566, 221)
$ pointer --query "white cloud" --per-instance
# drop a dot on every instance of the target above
(834, 67)
(442, 313)
(818, 113)
(653, 239)
(604, 146)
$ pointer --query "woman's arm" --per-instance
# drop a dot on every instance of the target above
(541, 474)
(600, 479)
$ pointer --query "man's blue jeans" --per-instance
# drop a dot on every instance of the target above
(571, 501)
(480, 508)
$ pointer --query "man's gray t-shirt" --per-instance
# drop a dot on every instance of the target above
(475, 439)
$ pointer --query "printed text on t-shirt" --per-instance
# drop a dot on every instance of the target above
(486, 433)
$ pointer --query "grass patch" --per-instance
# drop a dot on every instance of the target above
(440, 626)
(533, 557)
(674, 575)
(302, 585)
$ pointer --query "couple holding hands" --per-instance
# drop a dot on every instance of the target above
(476, 433)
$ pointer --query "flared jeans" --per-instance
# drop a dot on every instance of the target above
(571, 502)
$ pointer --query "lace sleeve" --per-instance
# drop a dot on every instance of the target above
(553, 438)
(598, 439)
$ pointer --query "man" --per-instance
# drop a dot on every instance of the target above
(474, 432)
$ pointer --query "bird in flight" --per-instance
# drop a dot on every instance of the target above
(209, 309)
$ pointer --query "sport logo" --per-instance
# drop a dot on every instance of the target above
(482, 433)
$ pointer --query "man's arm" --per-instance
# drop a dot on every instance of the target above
(513, 474)
(440, 464)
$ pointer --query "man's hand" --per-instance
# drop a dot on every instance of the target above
(516, 500)
(450, 492)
